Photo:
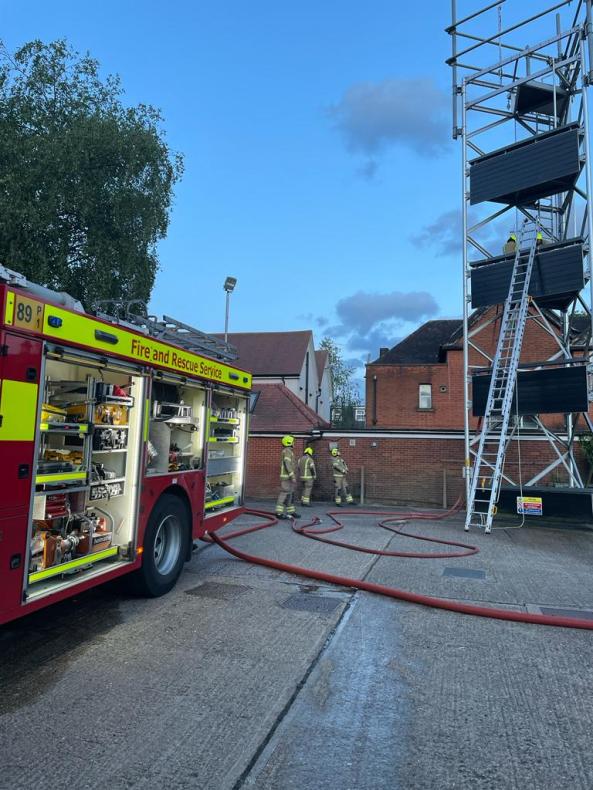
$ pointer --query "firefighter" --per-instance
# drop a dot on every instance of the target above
(308, 475)
(285, 507)
(340, 470)
(511, 244)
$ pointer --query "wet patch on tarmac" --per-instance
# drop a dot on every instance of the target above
(305, 602)
(218, 591)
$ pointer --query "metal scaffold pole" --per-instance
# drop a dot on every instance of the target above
(521, 114)
(466, 401)
(584, 84)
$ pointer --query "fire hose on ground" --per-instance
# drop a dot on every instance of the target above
(310, 530)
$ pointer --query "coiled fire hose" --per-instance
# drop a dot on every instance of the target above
(308, 530)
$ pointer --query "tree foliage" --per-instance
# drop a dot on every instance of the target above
(345, 390)
(85, 182)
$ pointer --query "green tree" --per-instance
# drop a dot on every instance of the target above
(85, 182)
(346, 395)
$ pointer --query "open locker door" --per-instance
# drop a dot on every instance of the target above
(87, 470)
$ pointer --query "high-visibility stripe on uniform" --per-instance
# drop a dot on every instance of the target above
(307, 468)
(18, 410)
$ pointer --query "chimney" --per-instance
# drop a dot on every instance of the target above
(382, 351)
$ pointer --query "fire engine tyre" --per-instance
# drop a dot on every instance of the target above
(165, 547)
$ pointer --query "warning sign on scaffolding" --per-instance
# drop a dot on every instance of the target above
(529, 505)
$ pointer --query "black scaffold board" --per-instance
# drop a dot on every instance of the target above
(543, 391)
(524, 172)
(557, 277)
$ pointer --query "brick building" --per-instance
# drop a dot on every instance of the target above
(289, 359)
(419, 468)
(413, 452)
(419, 382)
(277, 411)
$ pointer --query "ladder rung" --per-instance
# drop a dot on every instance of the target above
(487, 469)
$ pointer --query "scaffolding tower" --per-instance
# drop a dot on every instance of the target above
(521, 114)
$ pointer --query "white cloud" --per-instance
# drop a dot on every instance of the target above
(370, 321)
(363, 310)
(372, 116)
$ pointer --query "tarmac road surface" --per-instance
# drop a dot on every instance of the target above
(247, 677)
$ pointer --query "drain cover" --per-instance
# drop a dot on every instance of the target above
(580, 614)
(222, 592)
(311, 603)
(464, 573)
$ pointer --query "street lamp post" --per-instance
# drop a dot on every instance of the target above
(229, 287)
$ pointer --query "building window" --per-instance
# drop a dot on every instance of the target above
(359, 413)
(336, 414)
(425, 396)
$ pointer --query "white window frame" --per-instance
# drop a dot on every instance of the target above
(336, 413)
(425, 397)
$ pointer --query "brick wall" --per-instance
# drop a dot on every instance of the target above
(263, 465)
(396, 386)
(396, 391)
(413, 471)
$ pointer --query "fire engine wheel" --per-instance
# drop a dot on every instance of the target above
(165, 546)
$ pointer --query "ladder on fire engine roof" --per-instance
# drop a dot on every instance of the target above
(496, 433)
(168, 329)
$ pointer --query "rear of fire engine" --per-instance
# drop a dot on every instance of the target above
(120, 445)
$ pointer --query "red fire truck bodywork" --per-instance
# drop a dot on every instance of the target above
(22, 349)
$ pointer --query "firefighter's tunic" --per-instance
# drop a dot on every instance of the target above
(285, 503)
(307, 475)
(340, 470)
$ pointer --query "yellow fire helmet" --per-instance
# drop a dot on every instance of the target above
(309, 450)
(287, 441)
(335, 451)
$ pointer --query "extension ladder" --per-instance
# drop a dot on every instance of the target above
(496, 433)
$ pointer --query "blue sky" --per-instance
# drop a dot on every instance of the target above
(317, 153)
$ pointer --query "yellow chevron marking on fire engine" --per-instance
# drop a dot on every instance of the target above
(217, 502)
(18, 408)
(57, 427)
(56, 570)
(9, 315)
(57, 477)
(62, 325)
(146, 418)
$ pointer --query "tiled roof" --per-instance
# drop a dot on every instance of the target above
(271, 353)
(430, 342)
(321, 358)
(578, 323)
(423, 345)
(279, 409)
(456, 339)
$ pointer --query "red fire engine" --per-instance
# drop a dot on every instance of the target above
(120, 444)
